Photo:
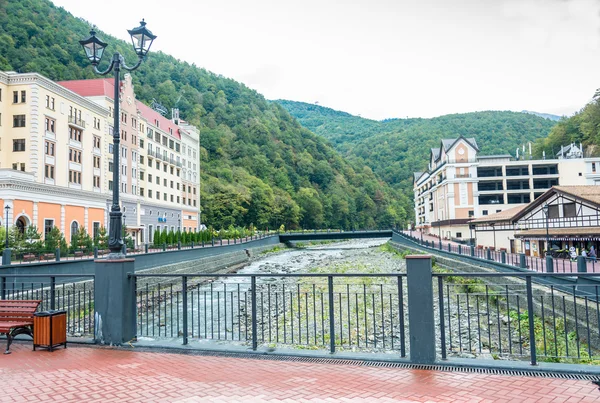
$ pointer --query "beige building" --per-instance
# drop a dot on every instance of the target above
(459, 185)
(56, 158)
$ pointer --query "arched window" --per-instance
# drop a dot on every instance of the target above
(21, 224)
(74, 228)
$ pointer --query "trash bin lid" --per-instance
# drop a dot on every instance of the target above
(50, 313)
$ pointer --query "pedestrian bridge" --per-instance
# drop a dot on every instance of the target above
(318, 235)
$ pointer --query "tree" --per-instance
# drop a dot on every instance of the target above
(311, 208)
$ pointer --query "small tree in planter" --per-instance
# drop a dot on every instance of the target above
(32, 240)
(101, 241)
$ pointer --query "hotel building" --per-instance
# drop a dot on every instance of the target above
(56, 158)
(460, 185)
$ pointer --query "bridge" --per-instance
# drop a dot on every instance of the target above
(319, 235)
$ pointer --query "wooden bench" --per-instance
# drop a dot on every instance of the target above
(29, 257)
(16, 317)
(49, 256)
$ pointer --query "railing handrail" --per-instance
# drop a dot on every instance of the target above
(270, 275)
(46, 275)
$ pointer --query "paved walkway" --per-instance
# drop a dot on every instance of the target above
(108, 375)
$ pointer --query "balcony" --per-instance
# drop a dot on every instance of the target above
(158, 155)
(462, 176)
(74, 120)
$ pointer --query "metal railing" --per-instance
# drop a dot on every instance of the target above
(334, 311)
(77, 121)
(506, 316)
(71, 292)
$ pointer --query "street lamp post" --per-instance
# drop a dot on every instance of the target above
(7, 208)
(440, 232)
(94, 48)
(546, 208)
(179, 230)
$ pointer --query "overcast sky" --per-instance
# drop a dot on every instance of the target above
(382, 58)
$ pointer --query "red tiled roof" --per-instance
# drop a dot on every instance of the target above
(151, 115)
(91, 88)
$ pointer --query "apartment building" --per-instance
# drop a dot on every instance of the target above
(51, 143)
(460, 185)
(56, 158)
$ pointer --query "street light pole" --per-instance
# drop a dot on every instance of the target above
(94, 48)
(6, 240)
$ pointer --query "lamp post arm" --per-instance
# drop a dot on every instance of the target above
(109, 69)
(124, 66)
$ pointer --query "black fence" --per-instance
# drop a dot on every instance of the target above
(337, 311)
(56, 292)
(510, 317)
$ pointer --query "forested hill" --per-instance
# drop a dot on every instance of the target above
(583, 127)
(259, 166)
(396, 148)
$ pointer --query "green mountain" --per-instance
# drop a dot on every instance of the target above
(259, 166)
(583, 127)
(396, 148)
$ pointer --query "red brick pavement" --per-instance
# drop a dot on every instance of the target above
(110, 375)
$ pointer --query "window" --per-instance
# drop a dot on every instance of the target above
(164, 141)
(18, 120)
(50, 125)
(15, 97)
(177, 185)
(593, 167)
(96, 181)
(177, 199)
(134, 123)
(178, 172)
(74, 228)
(49, 102)
(110, 166)
(123, 117)
(18, 145)
(157, 165)
(141, 143)
(171, 198)
(164, 182)
(150, 178)
(141, 159)
(194, 202)
(141, 175)
(172, 170)
(74, 134)
(184, 200)
(124, 152)
(96, 162)
(158, 195)
(110, 185)
(48, 225)
(171, 184)
(96, 142)
(49, 148)
(75, 177)
(23, 96)
(133, 139)
(150, 196)
(459, 234)
(123, 187)
(74, 156)
(123, 135)
(158, 180)
(0, 94)
(194, 190)
(157, 137)
(142, 192)
(484, 212)
(49, 171)
(123, 170)
(164, 196)
(569, 210)
(553, 211)
(96, 230)
(498, 211)
(110, 148)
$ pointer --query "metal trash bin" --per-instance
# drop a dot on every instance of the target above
(49, 329)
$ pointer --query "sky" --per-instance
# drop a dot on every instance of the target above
(382, 58)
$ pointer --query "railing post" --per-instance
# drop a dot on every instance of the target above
(549, 264)
(449, 247)
(581, 265)
(440, 244)
(460, 249)
(3, 287)
(442, 318)
(331, 315)
(254, 316)
(179, 245)
(164, 247)
(57, 254)
(146, 248)
(488, 254)
(503, 257)
(185, 309)
(472, 247)
(95, 252)
(421, 318)
(6, 257)
(532, 346)
(192, 244)
(522, 261)
(52, 293)
(124, 249)
(401, 321)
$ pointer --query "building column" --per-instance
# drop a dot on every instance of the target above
(35, 215)
(62, 218)
(85, 220)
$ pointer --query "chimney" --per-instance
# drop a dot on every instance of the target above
(175, 115)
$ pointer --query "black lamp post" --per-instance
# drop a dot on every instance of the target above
(179, 225)
(94, 49)
(546, 208)
(124, 224)
(6, 240)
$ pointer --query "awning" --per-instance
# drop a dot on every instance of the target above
(562, 234)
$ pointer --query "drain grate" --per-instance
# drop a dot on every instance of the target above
(382, 364)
